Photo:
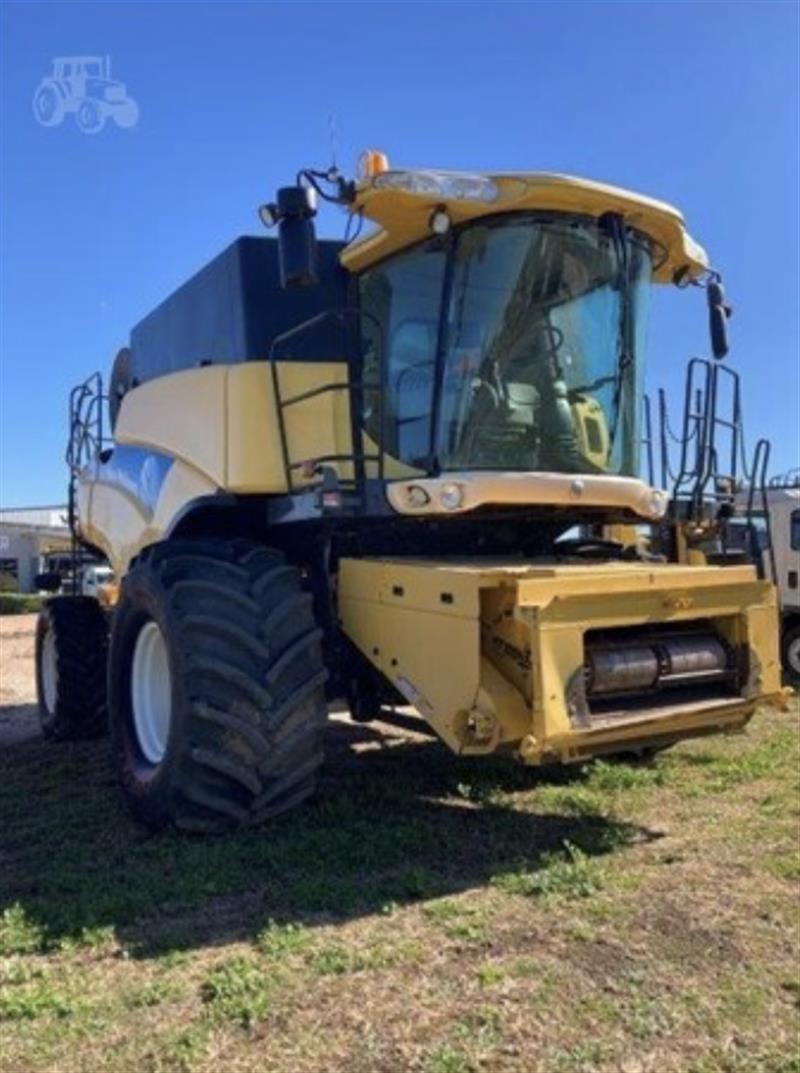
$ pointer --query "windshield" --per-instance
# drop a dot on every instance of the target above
(537, 358)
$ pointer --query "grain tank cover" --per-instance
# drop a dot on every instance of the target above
(232, 309)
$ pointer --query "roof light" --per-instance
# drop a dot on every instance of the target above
(453, 185)
(372, 162)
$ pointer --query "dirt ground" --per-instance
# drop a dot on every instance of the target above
(17, 686)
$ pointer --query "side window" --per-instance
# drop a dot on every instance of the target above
(403, 296)
(795, 530)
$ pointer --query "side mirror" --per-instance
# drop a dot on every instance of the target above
(294, 213)
(718, 313)
(48, 582)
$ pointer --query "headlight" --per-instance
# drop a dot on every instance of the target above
(458, 186)
(656, 504)
(451, 496)
(417, 496)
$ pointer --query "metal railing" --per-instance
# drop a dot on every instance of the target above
(86, 438)
(713, 465)
(356, 389)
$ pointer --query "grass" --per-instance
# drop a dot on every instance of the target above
(422, 913)
(570, 873)
(18, 933)
(19, 603)
(278, 942)
(239, 991)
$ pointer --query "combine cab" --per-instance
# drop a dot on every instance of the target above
(350, 471)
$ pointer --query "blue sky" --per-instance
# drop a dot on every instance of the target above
(693, 102)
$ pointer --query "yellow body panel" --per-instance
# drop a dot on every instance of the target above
(114, 520)
(490, 654)
(219, 426)
(223, 421)
(403, 217)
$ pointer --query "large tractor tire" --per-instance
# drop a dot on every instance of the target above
(71, 661)
(216, 686)
(790, 654)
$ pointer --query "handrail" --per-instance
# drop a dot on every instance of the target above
(86, 428)
(758, 487)
(86, 439)
(709, 466)
(647, 438)
(355, 387)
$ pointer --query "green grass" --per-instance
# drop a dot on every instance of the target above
(19, 603)
(19, 934)
(278, 942)
(423, 913)
(335, 959)
(570, 873)
(725, 770)
(239, 991)
(447, 1059)
(36, 998)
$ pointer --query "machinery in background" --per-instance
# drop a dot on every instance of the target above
(723, 508)
(770, 534)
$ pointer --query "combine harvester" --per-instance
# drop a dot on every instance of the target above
(347, 471)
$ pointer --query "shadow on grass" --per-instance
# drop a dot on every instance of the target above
(388, 825)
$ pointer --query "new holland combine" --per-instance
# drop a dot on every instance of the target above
(350, 470)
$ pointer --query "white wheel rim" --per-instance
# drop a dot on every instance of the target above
(793, 655)
(49, 671)
(151, 692)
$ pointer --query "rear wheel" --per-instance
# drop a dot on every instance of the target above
(71, 658)
(790, 651)
(217, 700)
(48, 106)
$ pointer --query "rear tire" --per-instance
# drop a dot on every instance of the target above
(71, 660)
(234, 736)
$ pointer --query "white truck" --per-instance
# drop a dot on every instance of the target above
(783, 562)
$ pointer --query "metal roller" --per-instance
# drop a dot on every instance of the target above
(690, 656)
(622, 670)
(666, 661)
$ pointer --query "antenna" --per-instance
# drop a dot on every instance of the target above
(332, 136)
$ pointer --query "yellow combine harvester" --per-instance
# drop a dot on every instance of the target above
(350, 471)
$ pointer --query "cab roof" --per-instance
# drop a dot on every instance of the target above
(401, 203)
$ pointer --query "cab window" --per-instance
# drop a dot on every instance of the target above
(400, 302)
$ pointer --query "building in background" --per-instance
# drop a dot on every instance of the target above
(32, 539)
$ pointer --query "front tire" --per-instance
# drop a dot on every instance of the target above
(90, 117)
(71, 659)
(216, 686)
(790, 652)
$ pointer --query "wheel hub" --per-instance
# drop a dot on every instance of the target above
(151, 692)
